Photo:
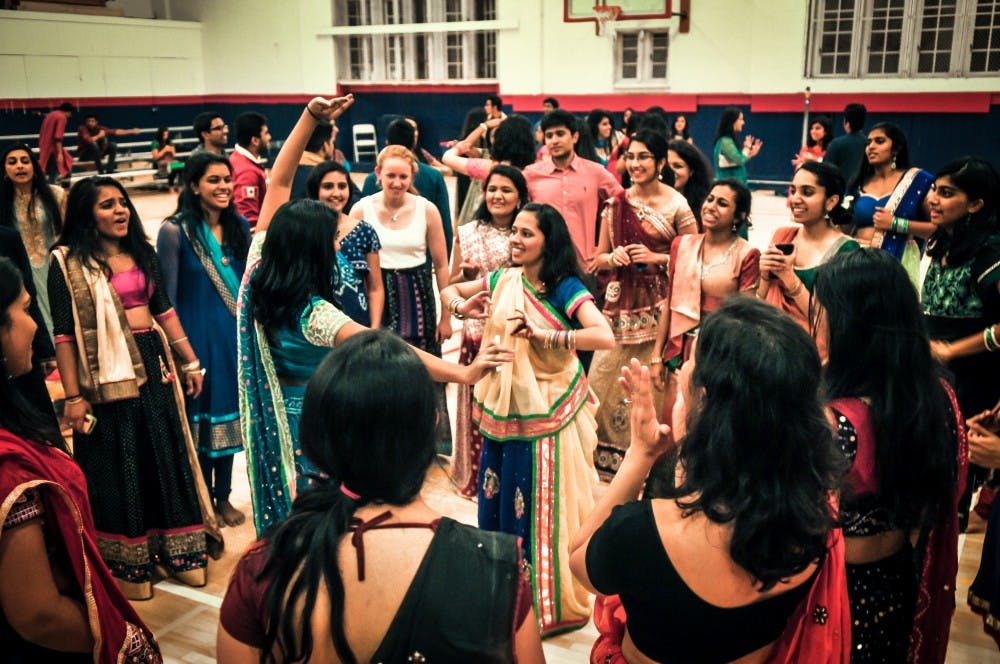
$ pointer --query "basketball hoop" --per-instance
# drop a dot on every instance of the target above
(605, 16)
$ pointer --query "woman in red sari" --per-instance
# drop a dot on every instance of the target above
(900, 427)
(637, 228)
(58, 601)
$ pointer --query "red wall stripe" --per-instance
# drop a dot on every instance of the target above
(877, 102)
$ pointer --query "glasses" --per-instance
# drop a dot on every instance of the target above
(221, 127)
(641, 156)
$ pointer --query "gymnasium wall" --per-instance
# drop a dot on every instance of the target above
(233, 55)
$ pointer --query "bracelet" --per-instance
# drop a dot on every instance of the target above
(177, 341)
(795, 291)
(454, 305)
(989, 340)
(76, 398)
(314, 116)
(191, 367)
(656, 359)
(485, 127)
(612, 261)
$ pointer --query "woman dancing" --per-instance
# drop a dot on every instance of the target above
(637, 228)
(410, 229)
(788, 265)
(288, 321)
(34, 208)
(899, 426)
(704, 270)
(743, 544)
(202, 251)
(480, 249)
(537, 413)
(58, 601)
(890, 208)
(115, 327)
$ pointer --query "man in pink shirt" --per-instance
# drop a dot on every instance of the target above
(573, 185)
(51, 153)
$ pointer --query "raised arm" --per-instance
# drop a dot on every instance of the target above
(279, 190)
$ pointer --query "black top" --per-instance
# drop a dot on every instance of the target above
(667, 621)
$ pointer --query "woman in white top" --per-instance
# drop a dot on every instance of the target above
(409, 228)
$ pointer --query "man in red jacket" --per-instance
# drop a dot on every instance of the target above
(51, 152)
(248, 159)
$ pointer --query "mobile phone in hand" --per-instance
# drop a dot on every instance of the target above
(89, 422)
(785, 247)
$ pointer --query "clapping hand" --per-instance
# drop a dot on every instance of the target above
(648, 436)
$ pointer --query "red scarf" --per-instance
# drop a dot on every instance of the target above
(117, 629)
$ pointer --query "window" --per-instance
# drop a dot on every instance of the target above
(461, 54)
(873, 38)
(642, 56)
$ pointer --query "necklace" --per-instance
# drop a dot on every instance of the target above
(720, 261)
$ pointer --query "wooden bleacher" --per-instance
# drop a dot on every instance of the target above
(135, 166)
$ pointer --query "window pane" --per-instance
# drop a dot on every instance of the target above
(629, 65)
(453, 10)
(420, 55)
(986, 37)
(832, 31)
(658, 54)
(937, 29)
(885, 44)
(486, 10)
(486, 63)
(455, 55)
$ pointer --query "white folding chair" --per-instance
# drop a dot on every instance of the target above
(365, 142)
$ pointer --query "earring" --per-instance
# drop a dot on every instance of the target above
(893, 164)
(734, 227)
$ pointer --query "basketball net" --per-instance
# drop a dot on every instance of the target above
(606, 16)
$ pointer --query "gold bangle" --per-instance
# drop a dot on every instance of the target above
(177, 341)
(795, 291)
(192, 366)
(656, 359)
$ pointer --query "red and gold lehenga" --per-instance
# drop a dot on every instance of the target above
(633, 302)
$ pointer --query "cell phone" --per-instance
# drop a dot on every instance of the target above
(89, 422)
(785, 247)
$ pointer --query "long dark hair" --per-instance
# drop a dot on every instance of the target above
(831, 179)
(297, 262)
(319, 171)
(729, 117)
(80, 234)
(742, 201)
(900, 149)
(17, 414)
(759, 452)
(367, 422)
(685, 133)
(559, 254)
(39, 188)
(867, 295)
(700, 180)
(161, 140)
(189, 211)
(827, 126)
(512, 174)
(977, 179)
(514, 141)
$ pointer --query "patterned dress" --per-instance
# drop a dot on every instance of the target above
(38, 234)
(632, 305)
(488, 247)
(350, 279)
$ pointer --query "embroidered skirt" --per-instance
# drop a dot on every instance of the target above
(883, 595)
(142, 489)
(411, 312)
(468, 439)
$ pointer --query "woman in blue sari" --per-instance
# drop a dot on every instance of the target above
(889, 198)
(203, 250)
(289, 318)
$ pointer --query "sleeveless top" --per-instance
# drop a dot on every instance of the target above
(404, 247)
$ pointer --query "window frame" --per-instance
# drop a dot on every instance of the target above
(644, 58)
(385, 46)
(912, 33)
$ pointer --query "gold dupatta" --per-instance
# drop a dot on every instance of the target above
(538, 393)
(109, 367)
